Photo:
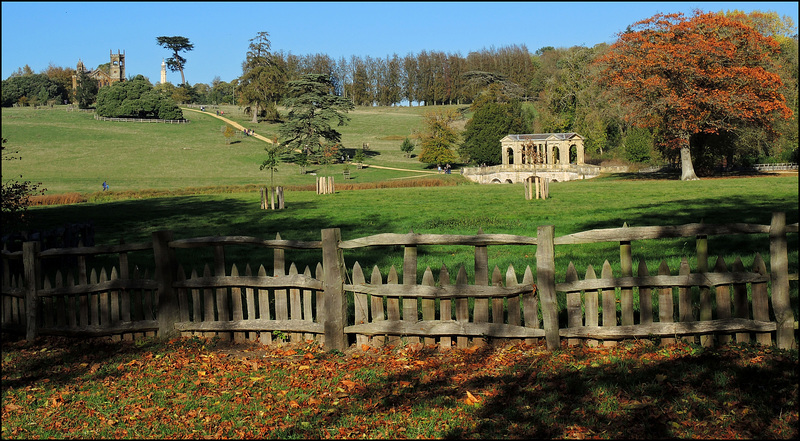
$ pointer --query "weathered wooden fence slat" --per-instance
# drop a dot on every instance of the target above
(360, 303)
(480, 310)
(308, 307)
(237, 306)
(530, 303)
(445, 306)
(666, 308)
(410, 279)
(723, 297)
(740, 303)
(609, 302)
(761, 300)
(645, 296)
(295, 304)
(428, 305)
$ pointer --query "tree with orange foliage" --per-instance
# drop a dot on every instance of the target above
(706, 74)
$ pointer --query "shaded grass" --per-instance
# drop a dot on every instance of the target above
(464, 209)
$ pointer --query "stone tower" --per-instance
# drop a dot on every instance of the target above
(163, 72)
(117, 69)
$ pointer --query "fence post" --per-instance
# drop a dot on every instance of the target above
(333, 282)
(626, 294)
(779, 275)
(546, 283)
(168, 310)
(30, 251)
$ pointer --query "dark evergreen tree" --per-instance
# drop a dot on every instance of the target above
(312, 108)
(490, 123)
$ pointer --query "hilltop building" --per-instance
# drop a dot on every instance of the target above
(115, 73)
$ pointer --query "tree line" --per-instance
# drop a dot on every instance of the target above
(552, 90)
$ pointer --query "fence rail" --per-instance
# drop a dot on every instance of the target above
(144, 120)
(340, 306)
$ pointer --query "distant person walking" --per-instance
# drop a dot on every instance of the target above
(105, 186)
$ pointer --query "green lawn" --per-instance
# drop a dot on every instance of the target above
(72, 152)
(189, 388)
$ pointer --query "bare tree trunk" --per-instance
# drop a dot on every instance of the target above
(687, 168)
(254, 111)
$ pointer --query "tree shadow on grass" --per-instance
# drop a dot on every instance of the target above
(731, 210)
(571, 393)
(55, 361)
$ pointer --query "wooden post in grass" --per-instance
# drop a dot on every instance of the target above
(779, 275)
(546, 283)
(410, 279)
(335, 315)
(626, 294)
(168, 309)
(705, 292)
(30, 254)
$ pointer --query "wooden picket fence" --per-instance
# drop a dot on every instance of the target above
(121, 304)
(339, 306)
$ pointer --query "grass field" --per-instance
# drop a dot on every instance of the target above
(190, 388)
(72, 152)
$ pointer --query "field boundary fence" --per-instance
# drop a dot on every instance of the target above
(339, 305)
(144, 120)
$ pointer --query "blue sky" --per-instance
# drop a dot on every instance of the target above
(40, 33)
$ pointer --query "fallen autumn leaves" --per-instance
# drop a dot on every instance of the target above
(193, 388)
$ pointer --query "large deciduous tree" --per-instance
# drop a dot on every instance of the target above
(177, 45)
(312, 109)
(686, 76)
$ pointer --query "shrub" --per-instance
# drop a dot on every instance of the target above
(638, 145)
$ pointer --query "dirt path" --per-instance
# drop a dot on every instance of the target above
(265, 139)
(233, 123)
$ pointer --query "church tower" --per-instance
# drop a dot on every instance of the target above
(163, 72)
(117, 69)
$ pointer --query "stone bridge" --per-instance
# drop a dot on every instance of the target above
(511, 174)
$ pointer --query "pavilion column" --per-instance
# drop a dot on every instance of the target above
(579, 150)
(549, 156)
(517, 155)
(563, 153)
(504, 153)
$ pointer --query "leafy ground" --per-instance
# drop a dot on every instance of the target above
(191, 388)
